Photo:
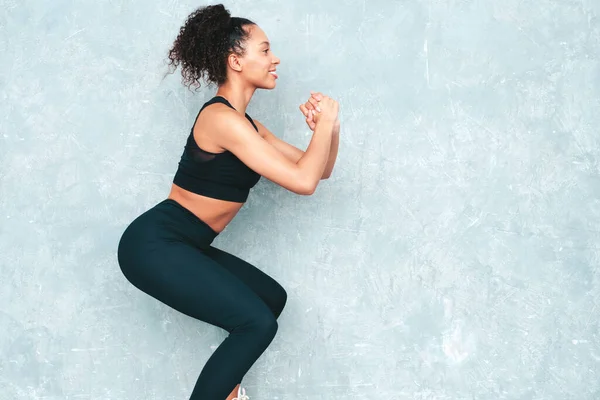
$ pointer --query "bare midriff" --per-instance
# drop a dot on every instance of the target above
(214, 212)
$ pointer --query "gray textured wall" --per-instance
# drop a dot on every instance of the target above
(453, 254)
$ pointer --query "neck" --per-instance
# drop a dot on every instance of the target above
(238, 95)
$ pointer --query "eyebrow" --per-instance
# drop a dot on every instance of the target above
(265, 43)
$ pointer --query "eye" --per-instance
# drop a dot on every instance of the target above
(265, 50)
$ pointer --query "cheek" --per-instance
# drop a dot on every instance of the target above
(258, 67)
(260, 70)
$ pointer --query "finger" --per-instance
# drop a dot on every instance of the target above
(309, 106)
(315, 103)
(304, 110)
(316, 95)
(310, 120)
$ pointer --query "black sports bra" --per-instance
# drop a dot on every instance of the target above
(217, 175)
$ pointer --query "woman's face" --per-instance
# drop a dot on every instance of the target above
(259, 61)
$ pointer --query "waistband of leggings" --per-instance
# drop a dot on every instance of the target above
(190, 215)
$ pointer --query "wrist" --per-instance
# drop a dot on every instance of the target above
(336, 126)
(325, 124)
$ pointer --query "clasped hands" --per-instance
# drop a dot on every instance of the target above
(311, 108)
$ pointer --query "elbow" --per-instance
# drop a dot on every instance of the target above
(307, 188)
(310, 191)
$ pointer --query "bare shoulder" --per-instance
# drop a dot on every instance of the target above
(210, 114)
(208, 125)
(230, 126)
(221, 117)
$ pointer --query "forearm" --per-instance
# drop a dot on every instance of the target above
(316, 156)
(333, 151)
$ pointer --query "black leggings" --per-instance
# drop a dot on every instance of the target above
(166, 252)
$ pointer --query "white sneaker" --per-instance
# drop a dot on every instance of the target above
(241, 395)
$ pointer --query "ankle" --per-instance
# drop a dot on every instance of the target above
(233, 394)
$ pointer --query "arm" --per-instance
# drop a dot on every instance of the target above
(333, 151)
(301, 177)
(294, 154)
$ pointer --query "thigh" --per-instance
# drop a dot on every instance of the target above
(265, 287)
(188, 280)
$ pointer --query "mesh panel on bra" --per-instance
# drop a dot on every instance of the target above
(200, 155)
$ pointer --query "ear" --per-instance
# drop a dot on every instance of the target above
(234, 62)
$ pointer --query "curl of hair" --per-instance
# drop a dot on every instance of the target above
(204, 43)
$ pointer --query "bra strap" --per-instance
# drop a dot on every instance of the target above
(222, 100)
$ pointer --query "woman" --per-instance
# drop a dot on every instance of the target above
(166, 252)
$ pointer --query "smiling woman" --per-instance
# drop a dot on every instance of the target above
(167, 251)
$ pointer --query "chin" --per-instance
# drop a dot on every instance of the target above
(273, 80)
(268, 86)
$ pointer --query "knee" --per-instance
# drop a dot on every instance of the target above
(270, 327)
(267, 324)
(260, 320)
(280, 302)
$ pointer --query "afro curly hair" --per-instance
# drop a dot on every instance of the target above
(207, 38)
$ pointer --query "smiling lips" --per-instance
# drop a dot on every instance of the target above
(274, 74)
